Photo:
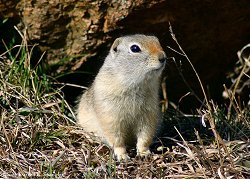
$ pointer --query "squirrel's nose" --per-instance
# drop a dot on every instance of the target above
(162, 60)
(162, 57)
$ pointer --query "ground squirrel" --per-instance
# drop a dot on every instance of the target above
(122, 104)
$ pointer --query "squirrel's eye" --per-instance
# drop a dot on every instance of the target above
(135, 48)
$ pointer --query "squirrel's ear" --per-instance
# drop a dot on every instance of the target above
(115, 45)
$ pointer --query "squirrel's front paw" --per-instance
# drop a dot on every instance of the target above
(121, 154)
(143, 152)
(122, 157)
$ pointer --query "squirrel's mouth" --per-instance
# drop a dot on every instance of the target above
(159, 66)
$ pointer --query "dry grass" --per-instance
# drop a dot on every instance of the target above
(39, 138)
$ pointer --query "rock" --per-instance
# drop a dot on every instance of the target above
(71, 30)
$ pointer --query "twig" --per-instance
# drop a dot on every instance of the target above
(236, 86)
(185, 55)
(165, 97)
(70, 84)
(184, 79)
(218, 138)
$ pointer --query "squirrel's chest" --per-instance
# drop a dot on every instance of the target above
(132, 101)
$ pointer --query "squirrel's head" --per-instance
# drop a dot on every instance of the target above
(138, 54)
(134, 59)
